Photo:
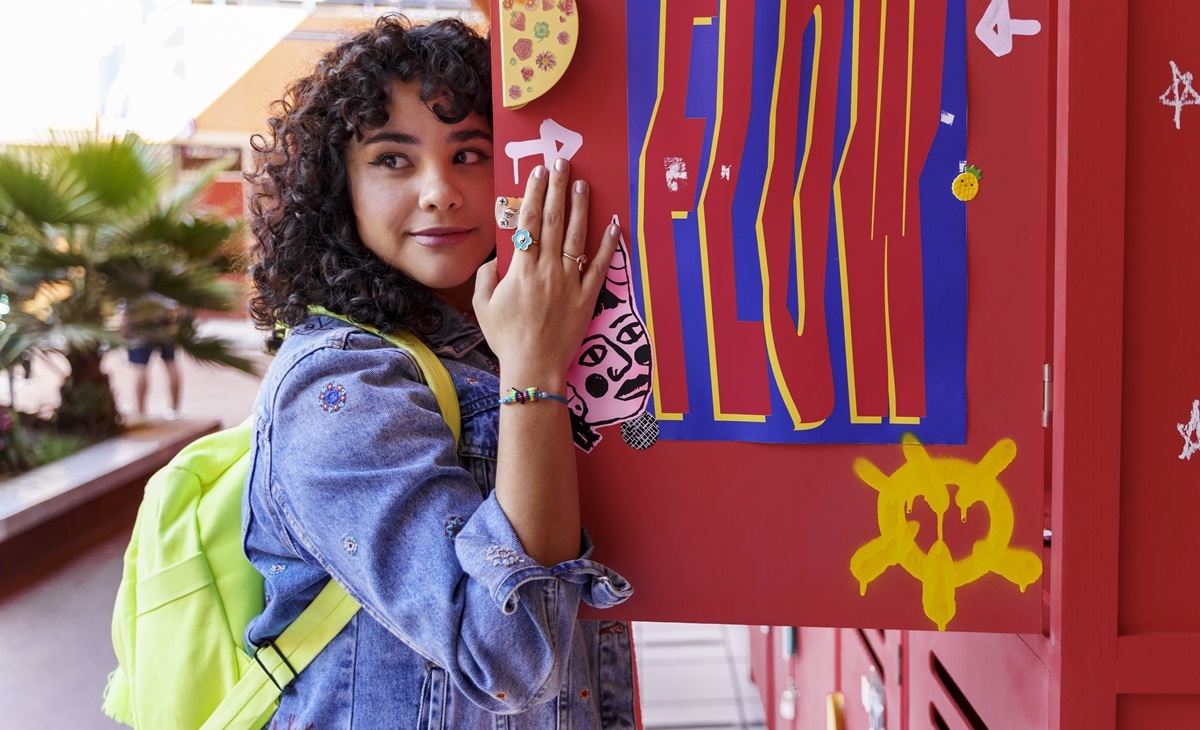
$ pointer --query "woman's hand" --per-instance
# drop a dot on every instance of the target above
(535, 318)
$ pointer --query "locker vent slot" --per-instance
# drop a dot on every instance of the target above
(862, 635)
(956, 694)
(936, 718)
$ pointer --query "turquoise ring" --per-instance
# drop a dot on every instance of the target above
(523, 240)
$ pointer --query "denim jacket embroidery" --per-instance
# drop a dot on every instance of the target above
(459, 628)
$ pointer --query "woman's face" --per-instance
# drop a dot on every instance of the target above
(422, 194)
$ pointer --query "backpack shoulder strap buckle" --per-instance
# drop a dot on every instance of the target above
(283, 661)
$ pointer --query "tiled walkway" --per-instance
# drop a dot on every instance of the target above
(695, 676)
(55, 653)
(54, 636)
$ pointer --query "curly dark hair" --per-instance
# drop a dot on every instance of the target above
(307, 250)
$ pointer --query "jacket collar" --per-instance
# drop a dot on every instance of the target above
(447, 331)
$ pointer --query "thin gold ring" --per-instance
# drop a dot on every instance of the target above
(581, 259)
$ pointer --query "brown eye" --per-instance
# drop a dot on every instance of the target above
(470, 157)
(391, 161)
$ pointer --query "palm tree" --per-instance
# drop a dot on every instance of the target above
(87, 225)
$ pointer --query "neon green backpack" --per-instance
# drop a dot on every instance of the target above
(187, 591)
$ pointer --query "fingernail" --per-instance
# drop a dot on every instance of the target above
(580, 186)
(560, 164)
(614, 230)
(539, 172)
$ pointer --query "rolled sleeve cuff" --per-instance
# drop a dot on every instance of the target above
(490, 553)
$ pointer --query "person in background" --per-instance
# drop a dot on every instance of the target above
(374, 205)
(148, 324)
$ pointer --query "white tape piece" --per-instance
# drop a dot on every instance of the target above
(997, 27)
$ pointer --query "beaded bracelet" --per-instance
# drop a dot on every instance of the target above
(529, 395)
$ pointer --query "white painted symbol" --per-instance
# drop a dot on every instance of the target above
(556, 141)
(947, 118)
(962, 165)
(676, 171)
(1191, 433)
(997, 27)
(726, 171)
(1180, 93)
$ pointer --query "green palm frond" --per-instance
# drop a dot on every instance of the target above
(10, 225)
(125, 274)
(43, 258)
(209, 349)
(197, 238)
(47, 198)
(81, 336)
(215, 351)
(21, 335)
(121, 173)
(195, 288)
(15, 348)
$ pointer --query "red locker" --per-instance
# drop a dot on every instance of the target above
(812, 677)
(872, 678)
(796, 694)
(762, 664)
(783, 702)
(968, 681)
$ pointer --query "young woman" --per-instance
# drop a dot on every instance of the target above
(375, 202)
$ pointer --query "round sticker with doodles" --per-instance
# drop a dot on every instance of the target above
(537, 40)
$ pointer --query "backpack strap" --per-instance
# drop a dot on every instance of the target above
(436, 376)
(252, 701)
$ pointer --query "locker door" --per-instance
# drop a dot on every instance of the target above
(872, 677)
(847, 372)
(975, 680)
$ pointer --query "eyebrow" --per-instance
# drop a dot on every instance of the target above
(458, 135)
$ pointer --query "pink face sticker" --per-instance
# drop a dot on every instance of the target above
(610, 379)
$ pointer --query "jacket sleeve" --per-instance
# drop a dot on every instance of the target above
(364, 474)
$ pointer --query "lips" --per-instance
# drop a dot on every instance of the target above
(441, 235)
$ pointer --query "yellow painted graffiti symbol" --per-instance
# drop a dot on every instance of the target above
(940, 574)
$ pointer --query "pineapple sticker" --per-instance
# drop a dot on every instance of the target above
(966, 186)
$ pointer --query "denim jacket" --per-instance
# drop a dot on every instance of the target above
(355, 476)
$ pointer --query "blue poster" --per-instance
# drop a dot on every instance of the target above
(798, 193)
